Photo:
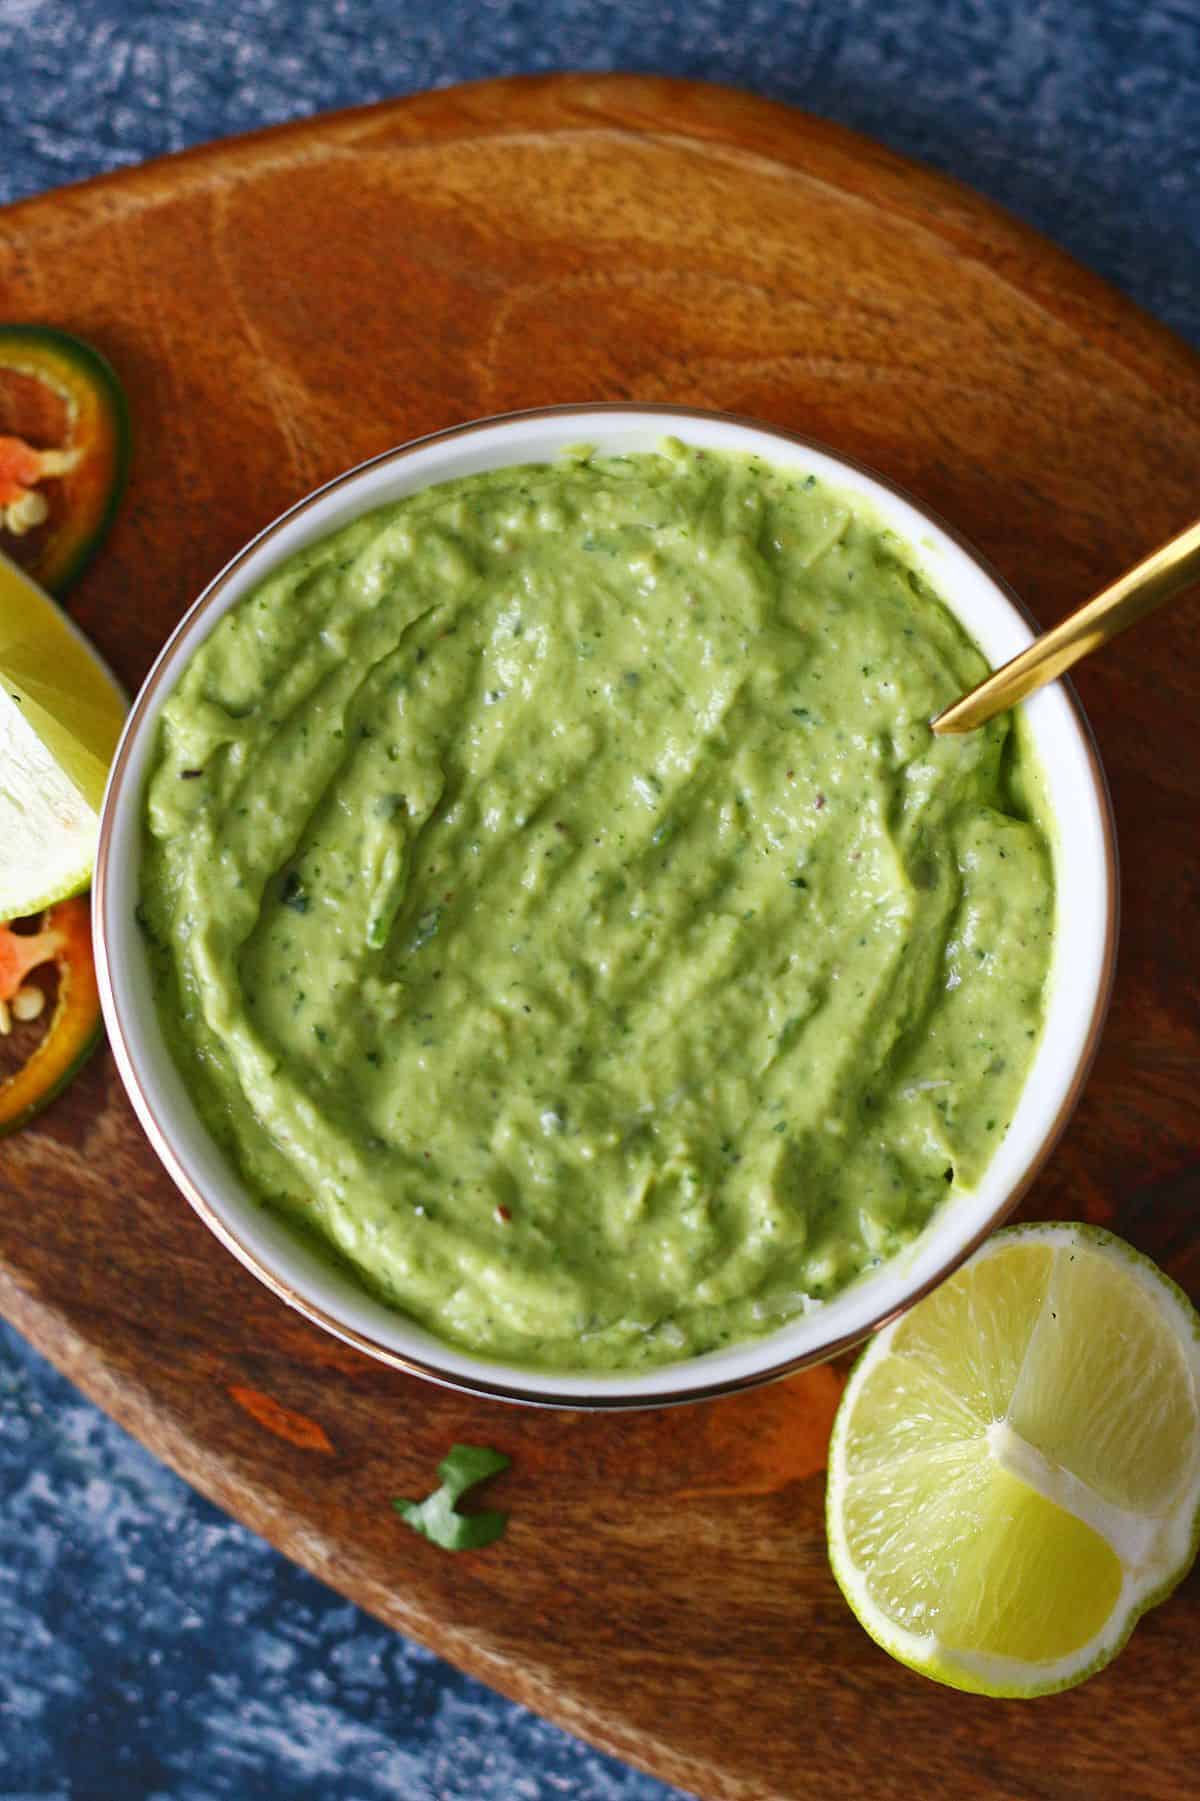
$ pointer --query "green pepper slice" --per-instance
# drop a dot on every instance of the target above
(64, 451)
(64, 938)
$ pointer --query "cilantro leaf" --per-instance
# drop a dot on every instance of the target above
(437, 1519)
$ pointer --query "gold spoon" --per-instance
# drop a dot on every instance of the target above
(1165, 572)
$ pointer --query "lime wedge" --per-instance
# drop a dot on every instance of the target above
(61, 714)
(1014, 1473)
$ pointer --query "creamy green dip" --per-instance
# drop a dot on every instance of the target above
(562, 907)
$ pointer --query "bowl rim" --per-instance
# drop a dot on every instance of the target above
(478, 1383)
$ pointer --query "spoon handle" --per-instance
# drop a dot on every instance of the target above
(1175, 565)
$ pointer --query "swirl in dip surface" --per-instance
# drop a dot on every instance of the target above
(561, 907)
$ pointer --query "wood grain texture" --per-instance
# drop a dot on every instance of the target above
(281, 307)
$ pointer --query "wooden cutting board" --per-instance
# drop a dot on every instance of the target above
(282, 306)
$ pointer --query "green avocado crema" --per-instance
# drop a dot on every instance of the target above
(561, 905)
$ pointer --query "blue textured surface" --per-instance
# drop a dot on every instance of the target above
(151, 1650)
(1081, 115)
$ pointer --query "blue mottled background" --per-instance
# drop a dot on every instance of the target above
(150, 1650)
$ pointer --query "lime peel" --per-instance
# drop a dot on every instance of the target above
(976, 1526)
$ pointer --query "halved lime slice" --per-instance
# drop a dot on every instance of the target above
(61, 714)
(1014, 1472)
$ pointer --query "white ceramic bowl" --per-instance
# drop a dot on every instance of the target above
(1080, 978)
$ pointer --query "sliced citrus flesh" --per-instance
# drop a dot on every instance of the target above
(1014, 1472)
(61, 714)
